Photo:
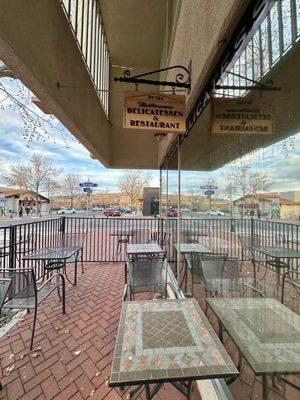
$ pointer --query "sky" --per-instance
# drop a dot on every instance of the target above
(280, 162)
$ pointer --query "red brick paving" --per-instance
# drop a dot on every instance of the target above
(89, 326)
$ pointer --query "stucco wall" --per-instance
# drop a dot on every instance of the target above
(197, 38)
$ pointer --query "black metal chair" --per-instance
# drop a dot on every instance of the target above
(147, 275)
(161, 238)
(140, 236)
(194, 264)
(291, 278)
(247, 255)
(75, 239)
(20, 290)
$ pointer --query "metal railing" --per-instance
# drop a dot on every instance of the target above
(87, 26)
(106, 239)
(17, 240)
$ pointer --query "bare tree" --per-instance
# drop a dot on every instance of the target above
(36, 125)
(243, 181)
(70, 187)
(35, 175)
(132, 183)
(16, 177)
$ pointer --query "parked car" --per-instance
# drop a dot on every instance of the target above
(98, 209)
(112, 213)
(67, 210)
(172, 213)
(215, 213)
(184, 209)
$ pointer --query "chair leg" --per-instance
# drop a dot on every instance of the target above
(63, 293)
(81, 261)
(33, 328)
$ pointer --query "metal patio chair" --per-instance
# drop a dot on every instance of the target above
(291, 278)
(162, 239)
(246, 241)
(194, 264)
(140, 236)
(75, 239)
(147, 275)
(186, 236)
(20, 290)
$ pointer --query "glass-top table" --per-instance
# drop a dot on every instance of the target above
(266, 333)
(166, 341)
(49, 254)
(276, 255)
(277, 252)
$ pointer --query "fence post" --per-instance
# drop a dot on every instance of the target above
(12, 247)
(252, 230)
(62, 224)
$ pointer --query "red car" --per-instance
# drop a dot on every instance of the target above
(112, 213)
(172, 213)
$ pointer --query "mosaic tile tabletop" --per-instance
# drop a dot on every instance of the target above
(277, 252)
(266, 332)
(146, 248)
(167, 340)
(192, 248)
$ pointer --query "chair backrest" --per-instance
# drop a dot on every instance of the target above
(213, 265)
(148, 274)
(22, 282)
(140, 236)
(4, 286)
(248, 240)
(186, 236)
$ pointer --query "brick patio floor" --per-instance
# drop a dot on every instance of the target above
(89, 327)
(54, 371)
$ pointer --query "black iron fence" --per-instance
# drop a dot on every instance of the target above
(20, 239)
(107, 238)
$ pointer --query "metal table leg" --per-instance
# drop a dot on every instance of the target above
(265, 387)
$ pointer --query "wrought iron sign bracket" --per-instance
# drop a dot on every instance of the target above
(268, 86)
(182, 79)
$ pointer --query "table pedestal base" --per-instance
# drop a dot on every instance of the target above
(184, 388)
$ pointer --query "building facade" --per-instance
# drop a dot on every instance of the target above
(14, 200)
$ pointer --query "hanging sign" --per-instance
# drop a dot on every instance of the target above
(241, 117)
(88, 184)
(209, 192)
(208, 187)
(156, 112)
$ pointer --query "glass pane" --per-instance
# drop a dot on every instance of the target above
(249, 62)
(79, 21)
(265, 46)
(286, 23)
(298, 17)
(275, 33)
(256, 56)
(73, 13)
(85, 29)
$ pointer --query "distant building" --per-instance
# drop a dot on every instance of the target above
(12, 199)
(150, 201)
(269, 205)
(293, 195)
